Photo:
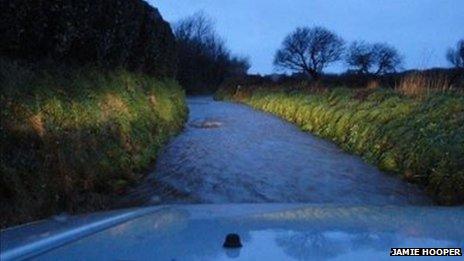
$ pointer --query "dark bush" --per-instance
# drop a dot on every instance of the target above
(109, 33)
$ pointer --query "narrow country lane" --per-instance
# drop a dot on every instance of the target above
(230, 153)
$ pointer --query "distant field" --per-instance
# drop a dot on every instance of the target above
(418, 135)
(73, 139)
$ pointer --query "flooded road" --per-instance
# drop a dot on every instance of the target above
(230, 153)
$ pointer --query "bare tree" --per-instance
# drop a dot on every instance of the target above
(456, 56)
(196, 33)
(204, 59)
(379, 58)
(198, 29)
(309, 50)
(360, 57)
(386, 58)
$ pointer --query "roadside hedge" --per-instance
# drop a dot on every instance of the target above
(127, 34)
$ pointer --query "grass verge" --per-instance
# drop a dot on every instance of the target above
(420, 138)
(72, 140)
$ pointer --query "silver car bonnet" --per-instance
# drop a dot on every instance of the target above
(267, 231)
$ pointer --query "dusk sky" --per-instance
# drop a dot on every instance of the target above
(421, 30)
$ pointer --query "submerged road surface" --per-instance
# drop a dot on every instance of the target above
(230, 153)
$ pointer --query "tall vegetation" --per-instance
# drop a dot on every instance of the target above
(309, 51)
(421, 85)
(204, 60)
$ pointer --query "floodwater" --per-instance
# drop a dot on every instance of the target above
(230, 153)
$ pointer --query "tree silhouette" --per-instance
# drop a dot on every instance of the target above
(456, 56)
(204, 60)
(309, 50)
(386, 58)
(360, 57)
(376, 59)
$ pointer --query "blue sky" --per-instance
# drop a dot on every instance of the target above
(421, 30)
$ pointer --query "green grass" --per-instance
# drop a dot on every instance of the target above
(72, 140)
(421, 139)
